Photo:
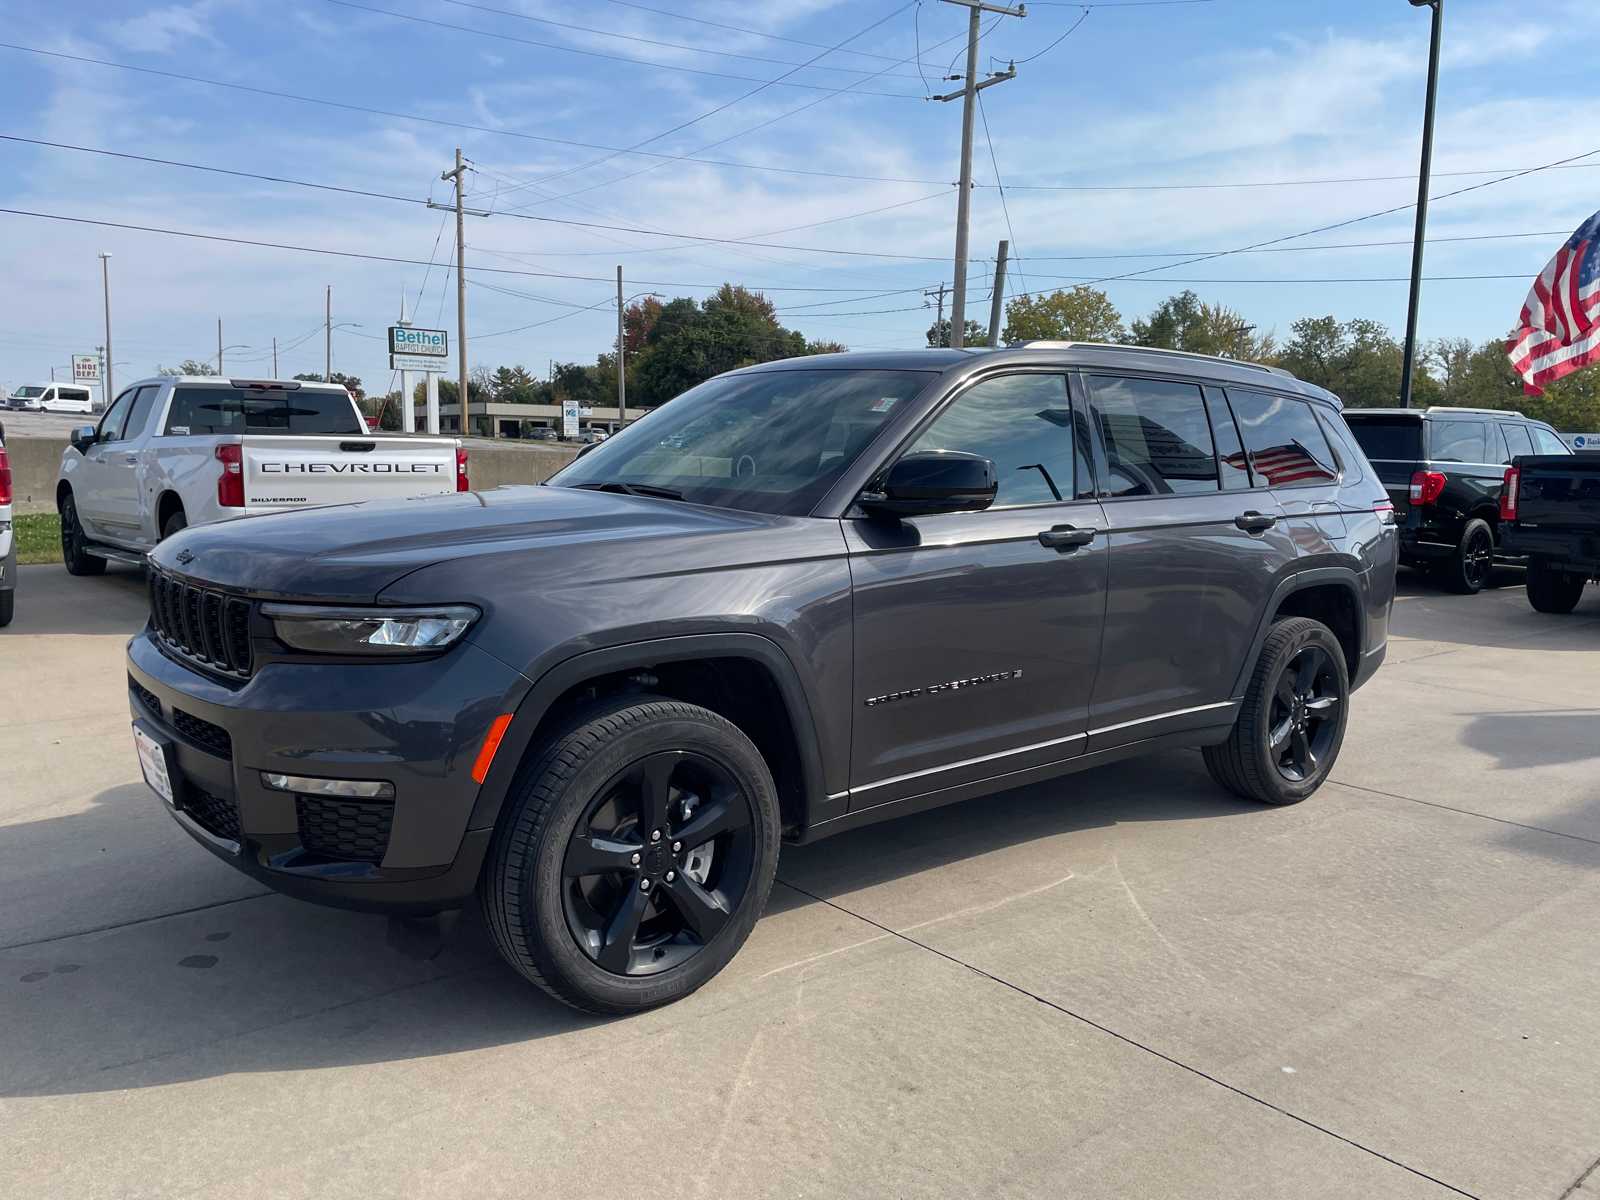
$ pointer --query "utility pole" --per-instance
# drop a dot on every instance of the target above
(219, 345)
(274, 358)
(999, 293)
(622, 382)
(328, 324)
(938, 323)
(107, 392)
(969, 93)
(459, 175)
(1409, 369)
(1239, 331)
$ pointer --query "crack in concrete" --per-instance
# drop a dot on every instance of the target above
(1124, 1038)
(61, 937)
(1467, 812)
(1578, 1182)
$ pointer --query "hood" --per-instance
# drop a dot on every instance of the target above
(351, 552)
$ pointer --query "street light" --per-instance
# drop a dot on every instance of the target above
(328, 378)
(1408, 371)
(220, 350)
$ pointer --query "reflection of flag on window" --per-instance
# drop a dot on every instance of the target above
(1283, 465)
(1557, 333)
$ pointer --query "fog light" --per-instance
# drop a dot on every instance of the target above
(351, 789)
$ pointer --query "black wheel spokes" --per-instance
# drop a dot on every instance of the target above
(1479, 560)
(1304, 714)
(629, 903)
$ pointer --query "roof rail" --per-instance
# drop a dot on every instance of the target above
(1051, 344)
(1444, 408)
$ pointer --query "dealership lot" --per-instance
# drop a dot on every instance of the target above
(1120, 983)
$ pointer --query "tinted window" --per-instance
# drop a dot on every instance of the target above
(1456, 441)
(73, 394)
(203, 410)
(1281, 436)
(1387, 438)
(1517, 440)
(1024, 425)
(1549, 443)
(772, 441)
(1157, 435)
(139, 417)
(111, 423)
(1231, 464)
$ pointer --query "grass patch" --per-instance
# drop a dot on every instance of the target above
(38, 537)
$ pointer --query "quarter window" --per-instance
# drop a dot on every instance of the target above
(1282, 438)
(1549, 443)
(1157, 435)
(1023, 424)
(1456, 441)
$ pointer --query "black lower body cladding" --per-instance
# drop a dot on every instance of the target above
(416, 726)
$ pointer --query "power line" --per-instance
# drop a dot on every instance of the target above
(638, 62)
(739, 29)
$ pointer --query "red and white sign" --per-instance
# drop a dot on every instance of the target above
(86, 368)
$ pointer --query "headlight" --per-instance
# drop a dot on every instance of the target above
(374, 631)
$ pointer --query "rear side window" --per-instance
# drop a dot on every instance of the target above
(1456, 441)
(1517, 440)
(1549, 443)
(205, 410)
(73, 394)
(1283, 440)
(1388, 439)
(1157, 435)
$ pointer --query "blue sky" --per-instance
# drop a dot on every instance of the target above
(1121, 148)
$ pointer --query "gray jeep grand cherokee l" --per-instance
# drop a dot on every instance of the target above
(802, 597)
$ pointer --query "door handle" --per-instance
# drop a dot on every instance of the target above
(1255, 522)
(1065, 537)
(130, 459)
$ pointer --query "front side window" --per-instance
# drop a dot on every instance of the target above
(1549, 443)
(1157, 435)
(111, 423)
(208, 410)
(30, 393)
(1282, 438)
(1024, 425)
(139, 415)
(1456, 441)
(771, 441)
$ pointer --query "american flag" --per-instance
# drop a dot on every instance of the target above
(1281, 466)
(1557, 333)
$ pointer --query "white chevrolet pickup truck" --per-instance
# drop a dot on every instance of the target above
(185, 450)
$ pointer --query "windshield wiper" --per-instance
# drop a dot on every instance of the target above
(633, 489)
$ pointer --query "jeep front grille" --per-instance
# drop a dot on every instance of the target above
(212, 627)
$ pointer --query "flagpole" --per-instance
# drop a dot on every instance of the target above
(1408, 371)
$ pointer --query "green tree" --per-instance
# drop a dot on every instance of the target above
(513, 385)
(187, 367)
(1571, 404)
(939, 334)
(1357, 360)
(1185, 322)
(351, 382)
(1084, 314)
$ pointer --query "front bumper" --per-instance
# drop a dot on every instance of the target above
(416, 726)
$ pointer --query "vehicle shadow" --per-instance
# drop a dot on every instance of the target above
(49, 601)
(264, 983)
(1525, 740)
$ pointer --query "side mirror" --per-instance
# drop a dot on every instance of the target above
(934, 481)
(82, 438)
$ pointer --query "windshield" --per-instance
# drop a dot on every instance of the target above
(204, 410)
(28, 393)
(770, 442)
(1387, 438)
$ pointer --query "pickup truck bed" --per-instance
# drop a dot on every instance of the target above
(1550, 512)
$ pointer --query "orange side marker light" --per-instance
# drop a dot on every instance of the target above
(491, 743)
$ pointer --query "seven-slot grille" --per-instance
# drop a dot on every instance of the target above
(210, 626)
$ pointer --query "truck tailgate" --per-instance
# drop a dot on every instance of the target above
(1560, 492)
(292, 472)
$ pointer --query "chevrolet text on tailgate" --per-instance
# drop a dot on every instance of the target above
(175, 452)
(799, 598)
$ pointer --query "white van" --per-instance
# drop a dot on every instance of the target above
(51, 397)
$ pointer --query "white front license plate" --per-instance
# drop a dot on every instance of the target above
(153, 760)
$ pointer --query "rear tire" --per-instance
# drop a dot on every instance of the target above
(79, 561)
(175, 524)
(8, 604)
(580, 897)
(1553, 591)
(1467, 570)
(1292, 721)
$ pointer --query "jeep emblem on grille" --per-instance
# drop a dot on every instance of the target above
(185, 557)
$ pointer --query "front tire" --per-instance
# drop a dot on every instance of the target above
(579, 893)
(1292, 721)
(79, 561)
(1553, 591)
(1467, 570)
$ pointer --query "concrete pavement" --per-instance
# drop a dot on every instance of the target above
(1123, 983)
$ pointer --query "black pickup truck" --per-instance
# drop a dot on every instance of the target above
(1550, 512)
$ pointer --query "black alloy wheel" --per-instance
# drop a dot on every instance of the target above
(633, 855)
(1291, 723)
(73, 541)
(658, 864)
(1304, 717)
(1467, 571)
